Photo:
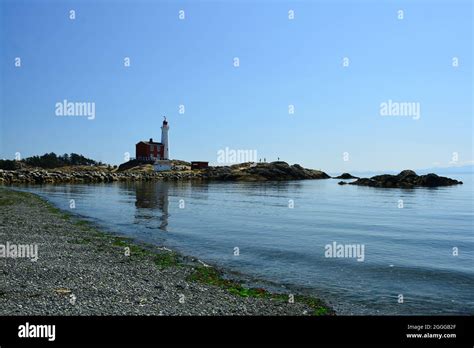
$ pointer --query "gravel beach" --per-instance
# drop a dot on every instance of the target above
(81, 270)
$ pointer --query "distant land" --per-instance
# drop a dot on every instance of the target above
(466, 169)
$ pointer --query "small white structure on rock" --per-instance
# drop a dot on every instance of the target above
(164, 162)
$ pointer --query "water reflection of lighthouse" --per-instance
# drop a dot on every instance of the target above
(151, 195)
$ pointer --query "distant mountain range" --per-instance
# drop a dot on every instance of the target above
(466, 169)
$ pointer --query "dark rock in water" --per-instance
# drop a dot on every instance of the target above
(433, 180)
(406, 173)
(342, 183)
(264, 171)
(346, 176)
(406, 179)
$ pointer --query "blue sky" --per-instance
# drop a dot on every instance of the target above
(282, 62)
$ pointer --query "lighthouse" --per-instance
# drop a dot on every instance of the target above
(163, 162)
(148, 152)
(164, 139)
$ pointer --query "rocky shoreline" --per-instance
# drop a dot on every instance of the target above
(405, 179)
(239, 172)
(81, 270)
(276, 171)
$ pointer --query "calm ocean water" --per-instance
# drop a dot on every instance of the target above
(408, 251)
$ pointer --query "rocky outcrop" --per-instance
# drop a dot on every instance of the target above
(245, 172)
(406, 179)
(263, 171)
(40, 176)
(130, 165)
(136, 165)
(346, 176)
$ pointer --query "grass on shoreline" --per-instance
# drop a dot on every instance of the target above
(163, 259)
(212, 276)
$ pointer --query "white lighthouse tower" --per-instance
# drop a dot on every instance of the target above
(164, 139)
(164, 163)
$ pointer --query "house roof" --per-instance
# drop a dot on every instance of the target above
(149, 143)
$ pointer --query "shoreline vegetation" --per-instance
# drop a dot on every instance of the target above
(82, 270)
